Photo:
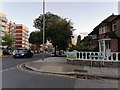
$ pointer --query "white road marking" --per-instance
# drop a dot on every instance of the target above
(13, 68)
(7, 69)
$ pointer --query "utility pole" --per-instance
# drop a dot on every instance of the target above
(43, 28)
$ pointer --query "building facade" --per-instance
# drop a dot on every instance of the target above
(18, 32)
(107, 34)
(21, 36)
(3, 27)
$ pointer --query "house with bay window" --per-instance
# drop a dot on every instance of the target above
(106, 36)
(103, 44)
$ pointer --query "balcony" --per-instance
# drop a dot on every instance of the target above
(3, 19)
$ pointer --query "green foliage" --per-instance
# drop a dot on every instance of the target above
(7, 41)
(80, 46)
(78, 40)
(84, 45)
(35, 37)
(57, 30)
(60, 34)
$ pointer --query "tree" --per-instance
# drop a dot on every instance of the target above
(36, 38)
(7, 41)
(57, 30)
(80, 46)
(78, 40)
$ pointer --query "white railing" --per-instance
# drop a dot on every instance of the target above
(95, 56)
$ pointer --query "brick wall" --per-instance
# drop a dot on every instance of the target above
(94, 63)
(118, 26)
(114, 45)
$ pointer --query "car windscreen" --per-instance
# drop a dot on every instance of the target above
(20, 51)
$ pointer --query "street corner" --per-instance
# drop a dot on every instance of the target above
(45, 70)
(52, 68)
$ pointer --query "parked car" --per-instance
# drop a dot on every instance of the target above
(22, 53)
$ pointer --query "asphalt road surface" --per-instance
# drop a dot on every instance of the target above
(14, 78)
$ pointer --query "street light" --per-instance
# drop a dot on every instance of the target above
(43, 27)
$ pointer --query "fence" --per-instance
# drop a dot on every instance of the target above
(94, 56)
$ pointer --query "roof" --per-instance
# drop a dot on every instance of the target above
(104, 22)
(87, 38)
(110, 18)
(117, 17)
(112, 35)
(93, 32)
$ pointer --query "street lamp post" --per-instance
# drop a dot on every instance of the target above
(43, 28)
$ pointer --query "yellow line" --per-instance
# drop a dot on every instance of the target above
(34, 72)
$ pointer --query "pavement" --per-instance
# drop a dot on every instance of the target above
(59, 65)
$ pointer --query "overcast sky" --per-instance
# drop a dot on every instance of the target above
(84, 15)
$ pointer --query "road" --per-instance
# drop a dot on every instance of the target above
(14, 78)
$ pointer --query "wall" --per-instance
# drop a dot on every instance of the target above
(114, 45)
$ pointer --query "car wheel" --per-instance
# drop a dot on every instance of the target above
(25, 56)
(14, 57)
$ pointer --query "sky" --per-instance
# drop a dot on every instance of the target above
(85, 15)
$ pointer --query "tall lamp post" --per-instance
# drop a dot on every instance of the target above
(43, 28)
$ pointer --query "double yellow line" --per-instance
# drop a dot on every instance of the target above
(20, 67)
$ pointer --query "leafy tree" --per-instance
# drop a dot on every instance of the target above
(57, 30)
(36, 38)
(78, 45)
(78, 40)
(7, 41)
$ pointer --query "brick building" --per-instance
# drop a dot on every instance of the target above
(106, 36)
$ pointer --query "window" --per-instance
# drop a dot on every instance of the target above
(102, 29)
(114, 26)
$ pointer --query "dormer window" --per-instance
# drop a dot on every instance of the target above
(114, 26)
